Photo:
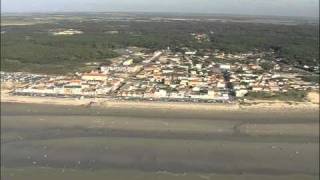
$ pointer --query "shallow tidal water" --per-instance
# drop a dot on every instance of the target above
(65, 142)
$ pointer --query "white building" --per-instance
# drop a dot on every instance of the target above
(128, 62)
(225, 66)
(190, 53)
(67, 32)
(221, 84)
(241, 92)
(94, 77)
(162, 93)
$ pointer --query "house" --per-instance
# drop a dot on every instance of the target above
(225, 66)
(275, 88)
(190, 52)
(94, 76)
(72, 90)
(162, 93)
(199, 66)
(128, 62)
(220, 56)
(257, 88)
(196, 89)
(241, 92)
(221, 84)
(211, 94)
(67, 32)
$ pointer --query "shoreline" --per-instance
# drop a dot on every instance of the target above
(110, 103)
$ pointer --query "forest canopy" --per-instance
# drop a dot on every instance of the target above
(32, 48)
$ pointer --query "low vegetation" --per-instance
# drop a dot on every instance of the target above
(291, 95)
(312, 78)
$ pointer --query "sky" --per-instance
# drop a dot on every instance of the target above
(246, 7)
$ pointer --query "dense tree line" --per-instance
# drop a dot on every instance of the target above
(33, 48)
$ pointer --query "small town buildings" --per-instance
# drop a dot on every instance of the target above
(94, 76)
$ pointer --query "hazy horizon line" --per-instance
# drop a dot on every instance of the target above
(156, 12)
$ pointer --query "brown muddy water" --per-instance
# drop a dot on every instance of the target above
(119, 143)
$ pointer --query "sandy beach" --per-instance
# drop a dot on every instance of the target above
(107, 103)
(5, 97)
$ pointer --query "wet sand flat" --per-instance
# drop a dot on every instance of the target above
(67, 174)
(157, 144)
